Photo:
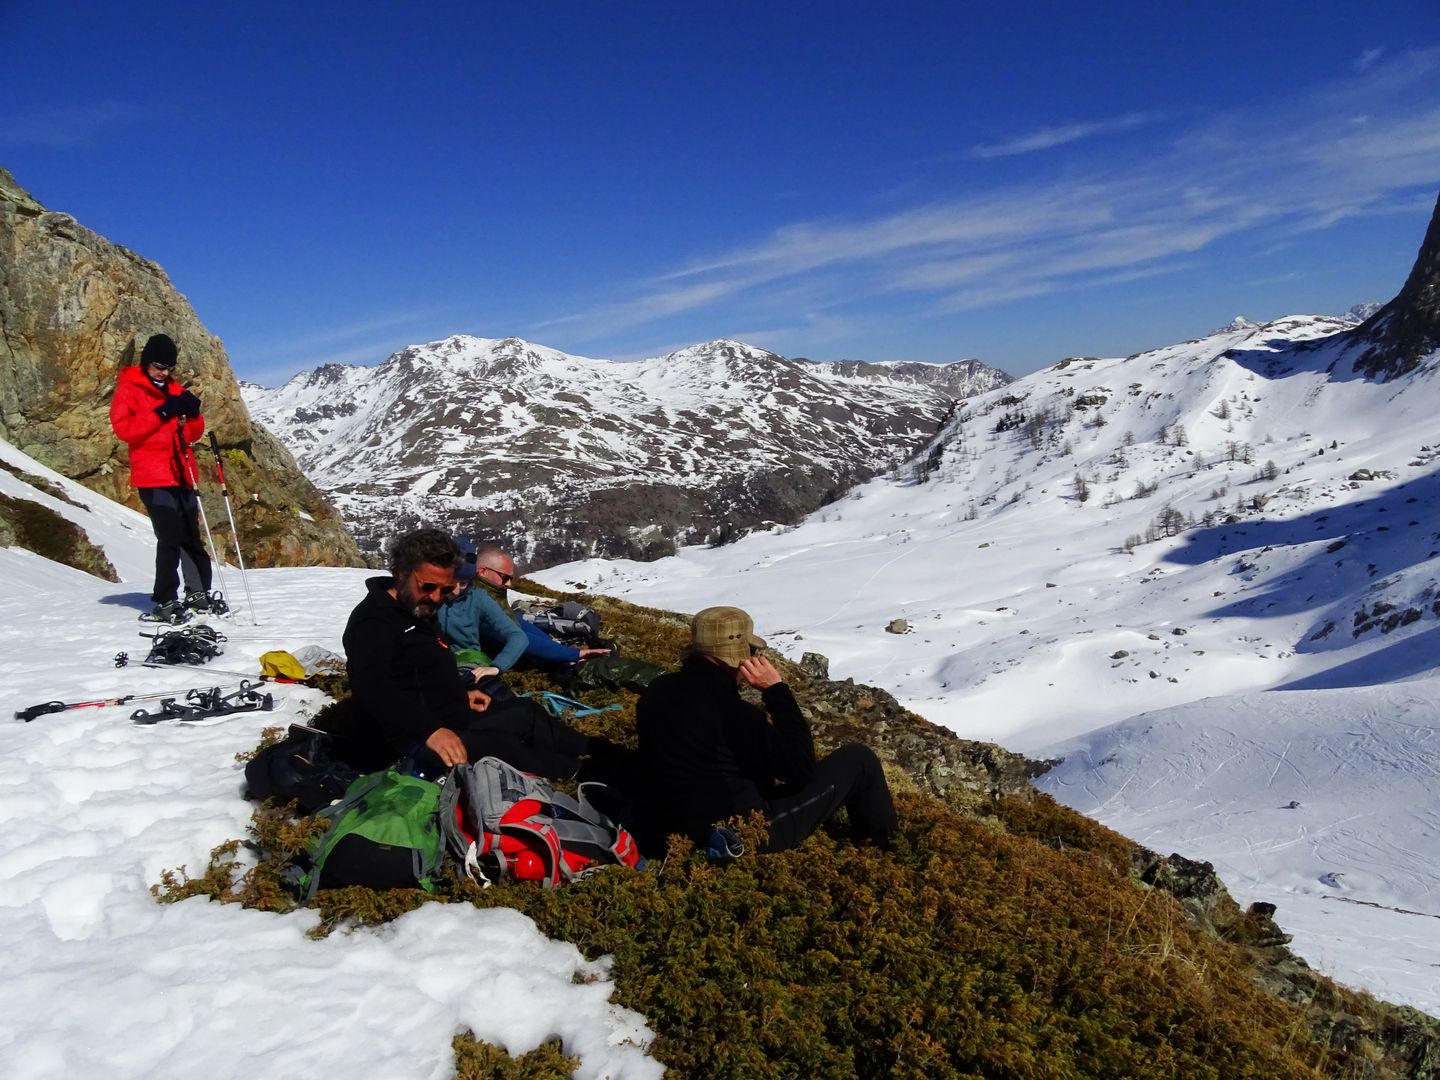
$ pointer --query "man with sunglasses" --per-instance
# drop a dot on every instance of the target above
(413, 702)
(158, 419)
(482, 618)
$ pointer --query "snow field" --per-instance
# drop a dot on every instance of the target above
(101, 979)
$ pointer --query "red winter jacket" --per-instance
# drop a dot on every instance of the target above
(154, 449)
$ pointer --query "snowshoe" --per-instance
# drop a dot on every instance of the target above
(207, 603)
(192, 645)
(172, 613)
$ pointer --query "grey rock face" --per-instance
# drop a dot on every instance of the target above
(1404, 333)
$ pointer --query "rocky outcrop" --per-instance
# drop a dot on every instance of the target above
(960, 379)
(74, 309)
(1406, 331)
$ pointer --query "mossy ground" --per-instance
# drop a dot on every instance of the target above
(27, 524)
(1002, 938)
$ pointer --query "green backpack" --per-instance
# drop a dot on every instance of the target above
(384, 834)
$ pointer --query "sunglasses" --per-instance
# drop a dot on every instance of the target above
(505, 578)
(161, 364)
(428, 587)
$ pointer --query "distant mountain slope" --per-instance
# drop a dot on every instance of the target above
(566, 457)
(1150, 542)
(1250, 488)
(961, 379)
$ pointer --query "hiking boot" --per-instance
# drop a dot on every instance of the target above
(206, 603)
(172, 613)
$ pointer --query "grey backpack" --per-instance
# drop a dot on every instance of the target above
(499, 822)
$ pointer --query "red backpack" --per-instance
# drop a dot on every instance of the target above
(499, 822)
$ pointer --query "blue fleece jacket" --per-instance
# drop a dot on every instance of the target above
(475, 620)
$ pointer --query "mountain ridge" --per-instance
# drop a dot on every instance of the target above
(561, 456)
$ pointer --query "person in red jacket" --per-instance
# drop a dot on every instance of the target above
(158, 419)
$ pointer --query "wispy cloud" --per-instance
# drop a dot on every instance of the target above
(1367, 59)
(64, 127)
(1047, 138)
(657, 303)
(1367, 144)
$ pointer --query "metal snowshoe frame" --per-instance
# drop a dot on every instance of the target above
(204, 704)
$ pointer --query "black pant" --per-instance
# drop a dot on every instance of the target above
(851, 777)
(175, 516)
(521, 733)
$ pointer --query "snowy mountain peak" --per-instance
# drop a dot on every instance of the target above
(1239, 322)
(720, 351)
(1358, 313)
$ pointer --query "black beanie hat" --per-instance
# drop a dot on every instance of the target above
(160, 349)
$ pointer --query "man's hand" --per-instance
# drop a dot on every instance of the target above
(593, 652)
(479, 701)
(447, 746)
(758, 672)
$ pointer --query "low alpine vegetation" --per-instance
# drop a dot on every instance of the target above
(1005, 936)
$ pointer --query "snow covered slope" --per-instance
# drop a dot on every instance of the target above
(567, 456)
(101, 980)
(1110, 537)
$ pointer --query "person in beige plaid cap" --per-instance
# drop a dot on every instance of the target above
(709, 755)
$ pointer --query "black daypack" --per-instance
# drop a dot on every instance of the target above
(301, 768)
(569, 622)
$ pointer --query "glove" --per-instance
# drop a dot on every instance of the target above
(170, 408)
(189, 403)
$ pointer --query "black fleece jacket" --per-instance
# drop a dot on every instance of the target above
(706, 753)
(402, 676)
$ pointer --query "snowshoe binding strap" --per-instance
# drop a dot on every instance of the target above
(171, 614)
(207, 603)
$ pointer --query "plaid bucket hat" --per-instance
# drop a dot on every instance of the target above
(726, 633)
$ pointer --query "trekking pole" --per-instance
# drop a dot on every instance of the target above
(221, 671)
(239, 557)
(64, 706)
(194, 482)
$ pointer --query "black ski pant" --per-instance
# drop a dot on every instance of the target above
(851, 777)
(175, 517)
(521, 733)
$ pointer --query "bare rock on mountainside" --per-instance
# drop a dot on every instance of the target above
(1403, 333)
(74, 309)
(961, 379)
(564, 457)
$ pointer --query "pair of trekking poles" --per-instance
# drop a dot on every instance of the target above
(194, 480)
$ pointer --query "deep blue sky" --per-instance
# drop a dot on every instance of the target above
(1013, 182)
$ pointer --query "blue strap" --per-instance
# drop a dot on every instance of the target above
(557, 705)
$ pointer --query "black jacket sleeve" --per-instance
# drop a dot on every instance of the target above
(792, 747)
